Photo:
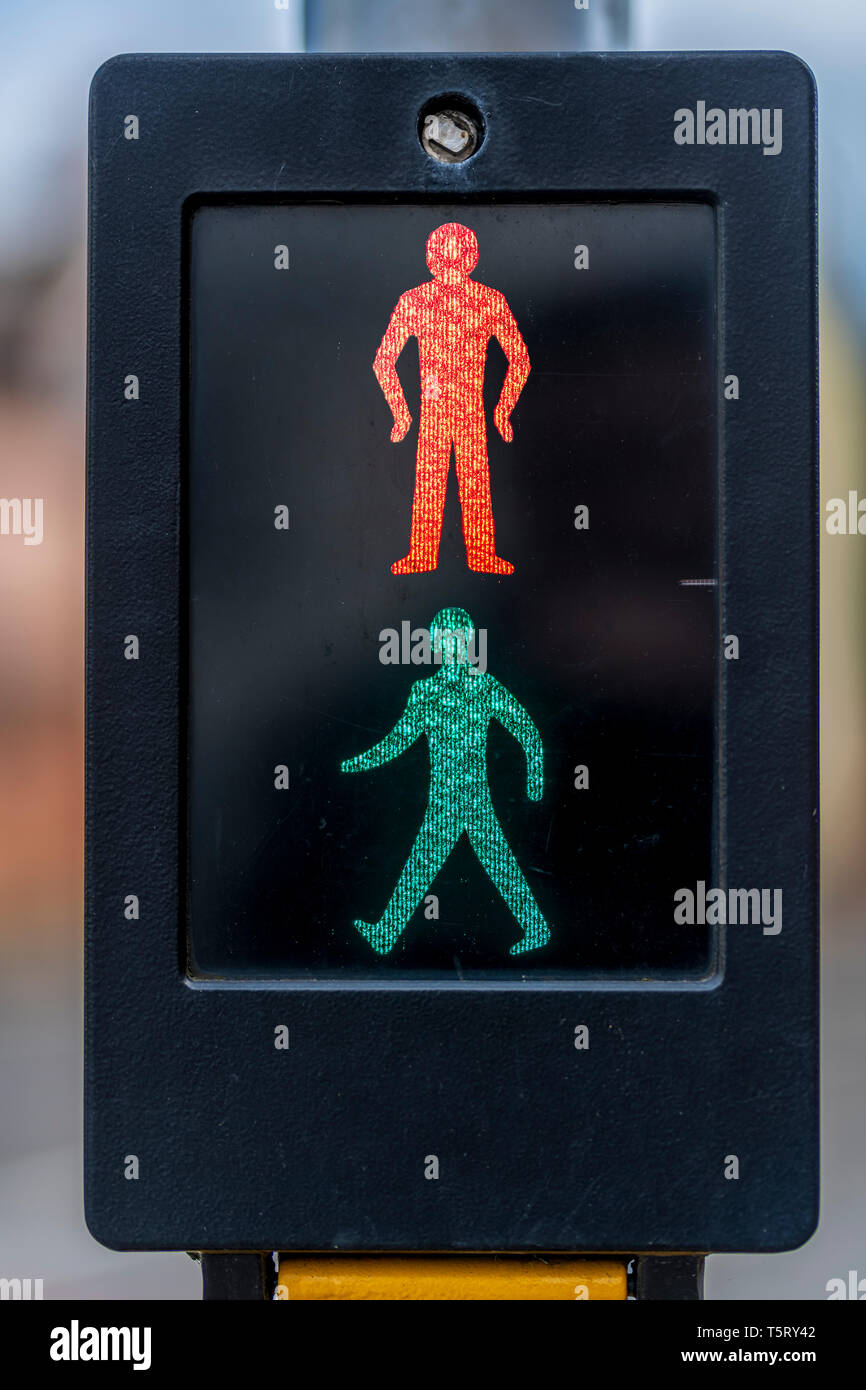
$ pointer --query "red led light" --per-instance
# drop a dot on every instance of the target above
(453, 317)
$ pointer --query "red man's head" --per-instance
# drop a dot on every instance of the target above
(452, 252)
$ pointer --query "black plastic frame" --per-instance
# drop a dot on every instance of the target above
(622, 1147)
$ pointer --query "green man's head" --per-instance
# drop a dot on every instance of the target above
(451, 632)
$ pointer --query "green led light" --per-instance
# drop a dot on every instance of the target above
(453, 709)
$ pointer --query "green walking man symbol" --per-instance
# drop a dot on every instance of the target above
(453, 708)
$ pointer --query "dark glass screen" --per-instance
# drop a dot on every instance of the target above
(589, 678)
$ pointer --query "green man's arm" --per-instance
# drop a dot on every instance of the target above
(401, 737)
(513, 717)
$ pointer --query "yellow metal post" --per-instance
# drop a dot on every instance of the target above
(452, 1278)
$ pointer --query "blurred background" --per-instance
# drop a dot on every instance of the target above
(49, 53)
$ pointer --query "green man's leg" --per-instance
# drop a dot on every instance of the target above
(488, 840)
(434, 842)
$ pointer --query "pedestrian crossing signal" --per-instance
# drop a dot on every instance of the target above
(454, 318)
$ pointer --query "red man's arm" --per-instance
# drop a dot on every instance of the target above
(504, 329)
(385, 366)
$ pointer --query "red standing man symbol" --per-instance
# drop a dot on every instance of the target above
(453, 317)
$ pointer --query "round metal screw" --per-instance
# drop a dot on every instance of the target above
(449, 136)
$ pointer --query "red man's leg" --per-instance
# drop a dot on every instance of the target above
(428, 504)
(473, 477)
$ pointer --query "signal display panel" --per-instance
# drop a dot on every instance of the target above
(452, 608)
